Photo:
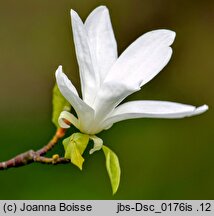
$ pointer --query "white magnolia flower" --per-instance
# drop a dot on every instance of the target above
(106, 79)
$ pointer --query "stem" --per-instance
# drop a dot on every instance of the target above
(58, 135)
(36, 156)
(19, 160)
(54, 160)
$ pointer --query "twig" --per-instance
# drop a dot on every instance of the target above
(36, 156)
(58, 135)
(54, 160)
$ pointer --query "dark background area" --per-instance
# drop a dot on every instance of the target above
(160, 159)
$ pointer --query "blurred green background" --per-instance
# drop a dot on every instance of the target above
(160, 159)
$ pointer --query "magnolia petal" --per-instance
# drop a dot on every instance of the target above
(108, 98)
(62, 78)
(143, 59)
(86, 59)
(138, 64)
(201, 109)
(84, 112)
(102, 39)
(64, 115)
(152, 109)
(98, 143)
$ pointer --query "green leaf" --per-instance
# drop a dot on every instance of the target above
(81, 140)
(74, 147)
(113, 168)
(59, 104)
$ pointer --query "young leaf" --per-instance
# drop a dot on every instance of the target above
(113, 168)
(74, 147)
(98, 143)
(81, 141)
(59, 104)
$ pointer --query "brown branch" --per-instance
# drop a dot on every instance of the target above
(36, 156)
(54, 160)
(19, 160)
(58, 135)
